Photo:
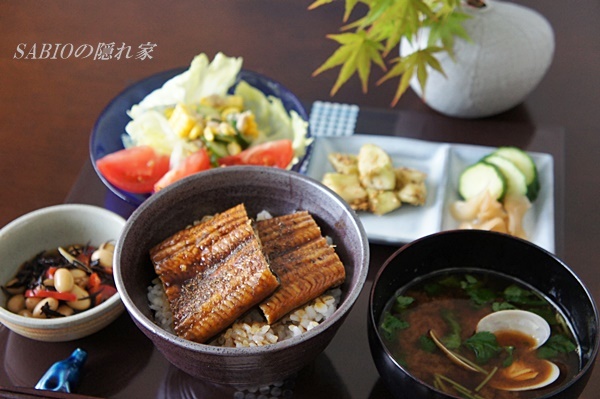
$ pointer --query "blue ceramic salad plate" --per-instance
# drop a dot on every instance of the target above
(144, 114)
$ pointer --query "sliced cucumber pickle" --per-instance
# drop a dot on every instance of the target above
(480, 176)
(516, 183)
(526, 165)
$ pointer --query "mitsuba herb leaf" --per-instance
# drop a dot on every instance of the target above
(391, 325)
(403, 302)
(401, 361)
(497, 306)
(451, 340)
(433, 289)
(521, 296)
(509, 358)
(442, 285)
(474, 289)
(426, 343)
(480, 295)
(554, 346)
(452, 281)
(469, 280)
(485, 345)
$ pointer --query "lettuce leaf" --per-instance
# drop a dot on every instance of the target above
(150, 126)
(273, 120)
(202, 79)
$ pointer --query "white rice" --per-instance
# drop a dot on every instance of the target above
(160, 305)
(252, 329)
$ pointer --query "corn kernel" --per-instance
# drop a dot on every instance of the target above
(234, 148)
(208, 133)
(234, 101)
(182, 120)
(246, 124)
(213, 101)
(230, 111)
(220, 102)
(196, 132)
(226, 129)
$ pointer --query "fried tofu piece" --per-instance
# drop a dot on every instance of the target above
(382, 202)
(375, 168)
(410, 186)
(346, 164)
(349, 188)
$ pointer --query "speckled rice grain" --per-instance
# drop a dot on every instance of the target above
(251, 329)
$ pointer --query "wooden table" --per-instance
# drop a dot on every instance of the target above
(49, 107)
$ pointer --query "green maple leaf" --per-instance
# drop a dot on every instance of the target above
(450, 28)
(408, 66)
(379, 31)
(349, 6)
(319, 3)
(355, 54)
(395, 19)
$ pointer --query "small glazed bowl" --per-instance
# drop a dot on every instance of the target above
(110, 125)
(259, 188)
(486, 250)
(46, 229)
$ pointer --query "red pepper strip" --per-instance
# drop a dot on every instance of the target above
(61, 296)
(94, 280)
(109, 290)
(50, 271)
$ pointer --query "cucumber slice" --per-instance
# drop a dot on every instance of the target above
(480, 176)
(525, 163)
(515, 179)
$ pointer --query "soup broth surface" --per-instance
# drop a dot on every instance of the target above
(449, 304)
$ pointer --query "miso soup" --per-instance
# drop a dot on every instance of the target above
(430, 328)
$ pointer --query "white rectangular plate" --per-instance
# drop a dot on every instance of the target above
(443, 164)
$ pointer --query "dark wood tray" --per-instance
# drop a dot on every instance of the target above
(122, 362)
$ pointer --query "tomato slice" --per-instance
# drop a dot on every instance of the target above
(134, 169)
(196, 162)
(277, 153)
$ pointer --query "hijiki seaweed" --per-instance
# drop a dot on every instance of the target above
(84, 280)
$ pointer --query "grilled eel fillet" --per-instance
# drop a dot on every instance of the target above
(213, 273)
(300, 256)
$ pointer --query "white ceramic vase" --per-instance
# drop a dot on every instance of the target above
(511, 49)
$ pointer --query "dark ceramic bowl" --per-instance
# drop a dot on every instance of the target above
(482, 250)
(110, 126)
(259, 188)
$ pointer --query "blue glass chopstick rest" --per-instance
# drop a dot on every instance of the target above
(63, 375)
